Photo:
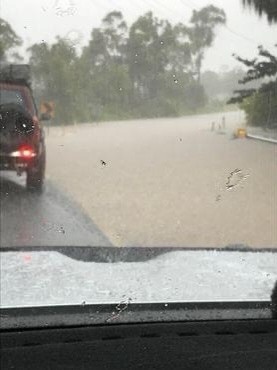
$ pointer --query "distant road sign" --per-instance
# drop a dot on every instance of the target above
(48, 107)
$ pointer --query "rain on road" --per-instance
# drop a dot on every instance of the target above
(156, 182)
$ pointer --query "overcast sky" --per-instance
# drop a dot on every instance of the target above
(38, 20)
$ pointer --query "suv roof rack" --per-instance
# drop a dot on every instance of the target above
(15, 73)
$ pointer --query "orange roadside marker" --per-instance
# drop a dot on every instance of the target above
(241, 133)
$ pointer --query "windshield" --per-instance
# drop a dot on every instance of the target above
(157, 128)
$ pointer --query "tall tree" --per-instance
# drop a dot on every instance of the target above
(104, 62)
(8, 39)
(146, 56)
(146, 70)
(53, 68)
(115, 33)
(202, 33)
(107, 43)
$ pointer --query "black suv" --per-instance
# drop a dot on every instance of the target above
(22, 144)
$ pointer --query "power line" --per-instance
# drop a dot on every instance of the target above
(190, 4)
(241, 35)
(227, 27)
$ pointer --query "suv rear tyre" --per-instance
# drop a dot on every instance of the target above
(35, 175)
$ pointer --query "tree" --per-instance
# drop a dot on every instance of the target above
(146, 55)
(54, 73)
(146, 70)
(260, 103)
(8, 39)
(268, 7)
(115, 33)
(103, 70)
(107, 43)
(160, 65)
(202, 33)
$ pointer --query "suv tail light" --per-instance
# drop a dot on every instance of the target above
(26, 152)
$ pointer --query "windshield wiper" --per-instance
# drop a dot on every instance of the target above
(127, 254)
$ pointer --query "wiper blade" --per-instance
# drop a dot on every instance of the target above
(128, 254)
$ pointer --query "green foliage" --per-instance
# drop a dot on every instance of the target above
(202, 33)
(54, 72)
(8, 39)
(147, 70)
(259, 104)
(261, 109)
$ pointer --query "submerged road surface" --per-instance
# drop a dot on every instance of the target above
(159, 182)
(46, 220)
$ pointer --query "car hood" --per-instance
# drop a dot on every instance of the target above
(139, 275)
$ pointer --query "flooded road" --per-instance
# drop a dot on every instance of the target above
(50, 219)
(160, 182)
(165, 182)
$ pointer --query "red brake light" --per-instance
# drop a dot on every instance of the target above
(25, 152)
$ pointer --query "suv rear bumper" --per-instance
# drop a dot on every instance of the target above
(9, 163)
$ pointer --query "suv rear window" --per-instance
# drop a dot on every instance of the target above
(19, 95)
(11, 96)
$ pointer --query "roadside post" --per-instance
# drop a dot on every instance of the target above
(213, 126)
(223, 123)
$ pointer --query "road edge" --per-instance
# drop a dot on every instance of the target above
(261, 138)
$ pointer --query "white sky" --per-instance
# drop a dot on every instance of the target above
(38, 20)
